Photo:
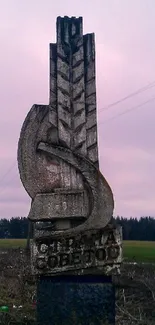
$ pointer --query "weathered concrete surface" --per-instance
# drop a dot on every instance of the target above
(59, 205)
(82, 254)
(58, 159)
(73, 89)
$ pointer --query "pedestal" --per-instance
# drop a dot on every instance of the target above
(75, 300)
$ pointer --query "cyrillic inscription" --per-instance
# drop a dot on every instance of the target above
(75, 253)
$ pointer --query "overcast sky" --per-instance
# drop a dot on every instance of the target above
(125, 62)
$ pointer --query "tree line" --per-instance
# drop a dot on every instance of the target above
(133, 229)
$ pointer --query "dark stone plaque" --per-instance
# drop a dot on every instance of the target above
(80, 254)
(76, 300)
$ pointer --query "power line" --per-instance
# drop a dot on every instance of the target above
(8, 171)
(140, 90)
(4, 188)
(128, 110)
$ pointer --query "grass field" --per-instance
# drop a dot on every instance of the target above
(12, 243)
(139, 251)
(135, 251)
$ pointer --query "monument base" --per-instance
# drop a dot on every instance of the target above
(76, 300)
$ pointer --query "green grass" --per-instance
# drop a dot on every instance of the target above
(12, 243)
(138, 251)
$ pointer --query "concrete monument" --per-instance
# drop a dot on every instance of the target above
(72, 203)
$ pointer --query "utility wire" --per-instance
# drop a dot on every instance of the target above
(128, 110)
(8, 171)
(139, 91)
(4, 188)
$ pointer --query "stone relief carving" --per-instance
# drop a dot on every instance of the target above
(58, 163)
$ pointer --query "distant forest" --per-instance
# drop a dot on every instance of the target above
(133, 229)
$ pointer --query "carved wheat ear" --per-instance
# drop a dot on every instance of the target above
(90, 98)
(72, 111)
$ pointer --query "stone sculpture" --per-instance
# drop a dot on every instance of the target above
(72, 203)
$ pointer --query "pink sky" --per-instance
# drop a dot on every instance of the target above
(125, 61)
